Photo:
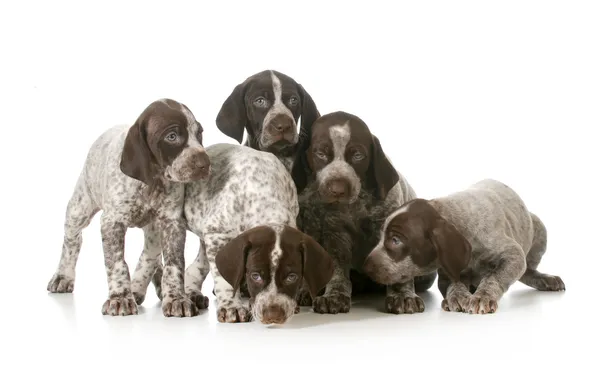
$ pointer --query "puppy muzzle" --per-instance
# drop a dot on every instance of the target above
(192, 164)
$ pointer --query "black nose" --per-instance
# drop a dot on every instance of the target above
(273, 315)
(338, 188)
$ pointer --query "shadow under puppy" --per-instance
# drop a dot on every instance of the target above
(268, 106)
(344, 179)
(482, 240)
(135, 175)
(245, 217)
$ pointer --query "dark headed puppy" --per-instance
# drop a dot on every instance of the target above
(482, 240)
(274, 261)
(268, 105)
(344, 178)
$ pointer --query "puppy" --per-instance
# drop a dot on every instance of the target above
(268, 106)
(136, 176)
(483, 238)
(344, 178)
(245, 217)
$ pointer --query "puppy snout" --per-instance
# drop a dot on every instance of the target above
(202, 162)
(282, 125)
(338, 188)
(273, 314)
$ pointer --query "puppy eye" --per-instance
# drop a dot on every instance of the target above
(171, 137)
(256, 277)
(321, 155)
(291, 278)
(293, 101)
(396, 240)
(357, 156)
(260, 102)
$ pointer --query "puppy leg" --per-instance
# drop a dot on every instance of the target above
(174, 300)
(80, 211)
(230, 306)
(195, 275)
(424, 282)
(336, 298)
(401, 298)
(506, 268)
(457, 296)
(120, 300)
(532, 277)
(147, 264)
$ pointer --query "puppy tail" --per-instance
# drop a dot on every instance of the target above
(538, 246)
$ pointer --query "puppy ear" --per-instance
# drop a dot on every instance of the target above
(318, 265)
(301, 170)
(382, 173)
(309, 115)
(453, 249)
(232, 117)
(137, 160)
(231, 260)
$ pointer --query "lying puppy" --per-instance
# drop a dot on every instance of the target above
(245, 216)
(136, 176)
(483, 238)
(268, 105)
(343, 177)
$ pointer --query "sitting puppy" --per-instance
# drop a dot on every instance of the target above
(344, 178)
(268, 105)
(136, 176)
(245, 216)
(483, 238)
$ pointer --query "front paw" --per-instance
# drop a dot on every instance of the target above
(401, 303)
(482, 304)
(61, 284)
(179, 307)
(233, 314)
(200, 300)
(333, 303)
(120, 306)
(304, 299)
(456, 302)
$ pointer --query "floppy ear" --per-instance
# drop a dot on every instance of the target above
(232, 117)
(382, 173)
(231, 260)
(318, 265)
(301, 170)
(453, 249)
(137, 160)
(310, 114)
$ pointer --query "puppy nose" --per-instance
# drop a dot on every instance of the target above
(202, 162)
(273, 315)
(338, 188)
(282, 125)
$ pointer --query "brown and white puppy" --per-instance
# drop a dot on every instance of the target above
(268, 106)
(344, 179)
(482, 240)
(135, 174)
(274, 261)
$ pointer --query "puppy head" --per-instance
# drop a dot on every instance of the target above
(343, 158)
(415, 241)
(166, 140)
(275, 261)
(268, 105)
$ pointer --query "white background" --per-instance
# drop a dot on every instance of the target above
(456, 91)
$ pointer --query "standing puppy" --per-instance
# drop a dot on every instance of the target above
(268, 105)
(482, 238)
(344, 178)
(136, 176)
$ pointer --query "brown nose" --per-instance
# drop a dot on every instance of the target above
(273, 315)
(202, 162)
(338, 188)
(282, 125)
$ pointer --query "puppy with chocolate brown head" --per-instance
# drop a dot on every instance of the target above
(274, 261)
(269, 106)
(344, 179)
(482, 240)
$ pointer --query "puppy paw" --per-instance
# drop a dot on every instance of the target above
(304, 298)
(333, 303)
(401, 303)
(482, 304)
(551, 283)
(234, 314)
(61, 284)
(297, 309)
(120, 306)
(200, 300)
(179, 307)
(456, 302)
